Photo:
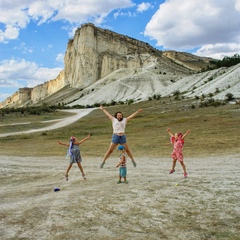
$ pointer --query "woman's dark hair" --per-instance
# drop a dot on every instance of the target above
(115, 115)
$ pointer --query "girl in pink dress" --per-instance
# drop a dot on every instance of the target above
(178, 141)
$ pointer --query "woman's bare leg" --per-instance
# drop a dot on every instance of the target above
(129, 154)
(108, 153)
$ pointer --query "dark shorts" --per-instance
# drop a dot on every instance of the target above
(119, 139)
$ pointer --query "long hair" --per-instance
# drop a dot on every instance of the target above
(71, 141)
(115, 115)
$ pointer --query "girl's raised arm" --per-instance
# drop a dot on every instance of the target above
(169, 132)
(61, 143)
(188, 131)
(83, 140)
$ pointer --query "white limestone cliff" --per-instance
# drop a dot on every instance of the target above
(94, 54)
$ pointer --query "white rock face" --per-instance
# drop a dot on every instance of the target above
(103, 66)
(48, 88)
(94, 53)
(145, 83)
(19, 98)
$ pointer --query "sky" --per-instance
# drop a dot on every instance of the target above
(34, 33)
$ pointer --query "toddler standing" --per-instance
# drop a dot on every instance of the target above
(123, 165)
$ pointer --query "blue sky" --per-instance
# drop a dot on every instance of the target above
(34, 34)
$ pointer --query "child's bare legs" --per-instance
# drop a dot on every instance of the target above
(119, 179)
(173, 166)
(184, 167)
(81, 169)
(68, 169)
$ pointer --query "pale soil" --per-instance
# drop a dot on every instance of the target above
(151, 206)
(203, 206)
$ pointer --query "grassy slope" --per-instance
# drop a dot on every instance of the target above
(214, 130)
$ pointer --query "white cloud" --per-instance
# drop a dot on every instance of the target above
(23, 48)
(10, 33)
(60, 57)
(73, 11)
(237, 5)
(41, 11)
(12, 25)
(14, 72)
(143, 7)
(122, 14)
(185, 25)
(218, 51)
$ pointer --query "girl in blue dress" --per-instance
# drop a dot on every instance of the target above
(74, 153)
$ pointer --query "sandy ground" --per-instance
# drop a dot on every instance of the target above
(151, 206)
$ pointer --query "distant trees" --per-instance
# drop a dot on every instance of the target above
(227, 61)
(38, 110)
(229, 97)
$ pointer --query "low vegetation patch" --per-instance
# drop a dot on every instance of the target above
(146, 133)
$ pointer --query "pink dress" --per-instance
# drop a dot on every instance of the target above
(177, 148)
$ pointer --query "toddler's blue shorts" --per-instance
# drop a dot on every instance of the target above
(123, 171)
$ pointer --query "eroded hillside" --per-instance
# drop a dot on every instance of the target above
(97, 59)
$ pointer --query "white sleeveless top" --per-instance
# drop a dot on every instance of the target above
(119, 127)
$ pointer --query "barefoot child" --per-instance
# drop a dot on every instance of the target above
(74, 153)
(178, 141)
(123, 165)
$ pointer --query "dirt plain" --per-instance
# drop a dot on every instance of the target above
(153, 205)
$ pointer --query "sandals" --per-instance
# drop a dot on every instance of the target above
(84, 177)
(121, 182)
